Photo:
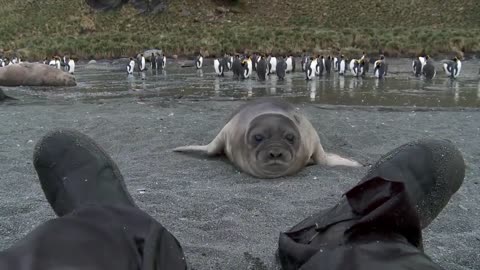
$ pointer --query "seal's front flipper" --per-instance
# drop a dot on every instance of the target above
(214, 148)
(204, 149)
(192, 148)
(336, 160)
(323, 158)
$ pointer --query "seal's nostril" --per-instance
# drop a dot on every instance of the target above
(274, 154)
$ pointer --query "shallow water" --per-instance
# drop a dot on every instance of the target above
(106, 80)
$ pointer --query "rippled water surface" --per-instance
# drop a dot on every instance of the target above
(107, 80)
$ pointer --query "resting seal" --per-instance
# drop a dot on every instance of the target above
(268, 139)
(34, 74)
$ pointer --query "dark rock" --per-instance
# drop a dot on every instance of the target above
(145, 6)
(104, 5)
(152, 6)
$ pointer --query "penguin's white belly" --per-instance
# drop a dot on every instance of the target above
(459, 67)
(273, 63)
(342, 67)
(445, 67)
(216, 67)
(352, 67)
(311, 70)
(289, 65)
(71, 66)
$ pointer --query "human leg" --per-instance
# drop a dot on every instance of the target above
(99, 226)
(377, 224)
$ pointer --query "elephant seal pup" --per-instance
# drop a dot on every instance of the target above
(34, 74)
(268, 139)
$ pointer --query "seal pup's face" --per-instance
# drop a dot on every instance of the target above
(273, 141)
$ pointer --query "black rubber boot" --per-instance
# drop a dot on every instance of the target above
(378, 223)
(432, 171)
(74, 171)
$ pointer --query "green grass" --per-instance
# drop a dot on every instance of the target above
(39, 29)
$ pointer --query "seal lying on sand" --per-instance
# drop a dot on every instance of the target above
(268, 139)
(34, 74)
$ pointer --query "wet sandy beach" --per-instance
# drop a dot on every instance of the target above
(226, 219)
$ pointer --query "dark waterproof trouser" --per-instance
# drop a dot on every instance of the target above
(375, 227)
(97, 238)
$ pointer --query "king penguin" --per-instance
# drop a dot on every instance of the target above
(51, 63)
(262, 68)
(159, 62)
(453, 67)
(355, 67)
(64, 63)
(131, 66)
(141, 63)
(320, 66)
(254, 59)
(289, 62)
(423, 60)
(246, 67)
(237, 67)
(429, 69)
(379, 69)
(281, 68)
(293, 63)
(153, 61)
(164, 61)
(364, 67)
(417, 67)
(311, 65)
(304, 61)
(57, 63)
(272, 65)
(199, 61)
(328, 65)
(342, 65)
(71, 66)
(230, 62)
(218, 66)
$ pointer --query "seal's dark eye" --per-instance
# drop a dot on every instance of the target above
(290, 137)
(258, 138)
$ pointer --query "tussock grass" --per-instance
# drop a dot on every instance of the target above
(39, 29)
